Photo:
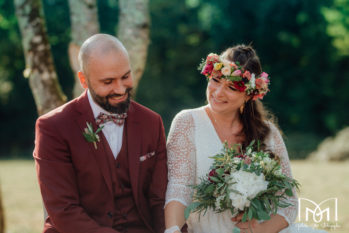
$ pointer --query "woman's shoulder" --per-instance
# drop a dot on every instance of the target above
(274, 137)
(188, 114)
(272, 126)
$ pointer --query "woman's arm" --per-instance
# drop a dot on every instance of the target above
(174, 215)
(181, 170)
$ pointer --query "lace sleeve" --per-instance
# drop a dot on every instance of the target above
(181, 159)
(277, 146)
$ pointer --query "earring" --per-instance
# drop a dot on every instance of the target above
(242, 108)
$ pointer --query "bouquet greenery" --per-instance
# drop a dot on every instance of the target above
(249, 181)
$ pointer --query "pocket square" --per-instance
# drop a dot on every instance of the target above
(146, 156)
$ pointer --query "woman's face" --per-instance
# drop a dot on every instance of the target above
(223, 97)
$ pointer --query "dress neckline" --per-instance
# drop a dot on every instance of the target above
(211, 126)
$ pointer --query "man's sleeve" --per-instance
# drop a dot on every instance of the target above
(58, 184)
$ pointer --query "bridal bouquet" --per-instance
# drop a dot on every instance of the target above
(247, 181)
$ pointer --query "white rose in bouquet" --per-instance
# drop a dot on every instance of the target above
(244, 186)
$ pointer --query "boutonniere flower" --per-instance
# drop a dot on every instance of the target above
(91, 136)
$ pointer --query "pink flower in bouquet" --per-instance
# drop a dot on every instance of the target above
(239, 85)
(247, 160)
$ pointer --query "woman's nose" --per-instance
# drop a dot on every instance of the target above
(219, 89)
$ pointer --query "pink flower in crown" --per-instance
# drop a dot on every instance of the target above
(216, 74)
(235, 66)
(258, 96)
(212, 58)
(207, 69)
(236, 73)
(264, 75)
(261, 83)
(247, 75)
(226, 70)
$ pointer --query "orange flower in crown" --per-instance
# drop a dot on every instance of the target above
(243, 80)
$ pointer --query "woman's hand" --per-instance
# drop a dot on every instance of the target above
(275, 224)
(246, 227)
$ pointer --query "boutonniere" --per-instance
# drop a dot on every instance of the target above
(91, 136)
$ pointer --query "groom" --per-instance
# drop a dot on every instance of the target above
(109, 181)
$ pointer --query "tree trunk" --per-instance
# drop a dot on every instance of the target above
(84, 23)
(39, 63)
(2, 213)
(133, 31)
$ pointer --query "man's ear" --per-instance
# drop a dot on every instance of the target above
(83, 79)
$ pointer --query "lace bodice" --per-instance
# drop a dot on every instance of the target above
(192, 139)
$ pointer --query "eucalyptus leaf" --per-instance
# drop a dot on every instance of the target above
(289, 192)
(236, 230)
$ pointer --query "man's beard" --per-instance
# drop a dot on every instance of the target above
(121, 107)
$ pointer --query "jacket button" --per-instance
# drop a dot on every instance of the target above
(110, 215)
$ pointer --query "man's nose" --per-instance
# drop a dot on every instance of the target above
(119, 87)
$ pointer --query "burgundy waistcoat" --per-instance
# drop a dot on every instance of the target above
(126, 217)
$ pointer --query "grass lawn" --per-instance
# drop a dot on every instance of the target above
(23, 207)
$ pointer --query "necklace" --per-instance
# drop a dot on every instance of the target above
(221, 130)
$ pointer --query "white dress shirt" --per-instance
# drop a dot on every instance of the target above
(112, 132)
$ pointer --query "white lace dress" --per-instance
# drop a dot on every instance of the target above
(191, 141)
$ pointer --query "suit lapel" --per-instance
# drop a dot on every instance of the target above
(101, 153)
(133, 148)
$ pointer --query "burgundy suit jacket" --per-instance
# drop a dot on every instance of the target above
(75, 178)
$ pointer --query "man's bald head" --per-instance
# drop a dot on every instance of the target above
(97, 45)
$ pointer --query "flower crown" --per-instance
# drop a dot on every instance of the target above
(216, 67)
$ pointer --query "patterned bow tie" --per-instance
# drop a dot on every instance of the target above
(118, 119)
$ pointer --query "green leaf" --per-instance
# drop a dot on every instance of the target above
(210, 189)
(215, 179)
(191, 208)
(262, 215)
(220, 171)
(289, 192)
(236, 230)
(235, 78)
(244, 217)
(89, 137)
(89, 126)
(99, 129)
(250, 213)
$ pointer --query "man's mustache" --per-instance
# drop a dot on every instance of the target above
(119, 95)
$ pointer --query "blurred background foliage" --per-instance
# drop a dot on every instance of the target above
(303, 45)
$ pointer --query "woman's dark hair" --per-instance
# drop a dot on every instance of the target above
(253, 117)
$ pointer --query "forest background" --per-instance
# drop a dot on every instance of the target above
(303, 45)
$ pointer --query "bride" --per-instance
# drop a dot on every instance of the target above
(233, 115)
